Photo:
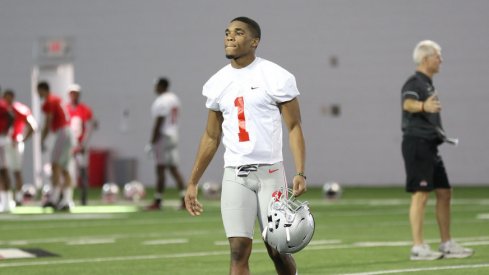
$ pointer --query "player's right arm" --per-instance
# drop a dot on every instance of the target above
(31, 127)
(209, 143)
(412, 102)
(430, 105)
(45, 130)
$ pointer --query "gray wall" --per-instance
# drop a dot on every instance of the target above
(122, 46)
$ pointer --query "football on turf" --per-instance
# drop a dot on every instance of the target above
(332, 190)
(211, 190)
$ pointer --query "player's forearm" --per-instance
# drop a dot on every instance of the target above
(413, 106)
(207, 149)
(298, 147)
(31, 122)
(87, 136)
(28, 133)
(155, 134)
(44, 133)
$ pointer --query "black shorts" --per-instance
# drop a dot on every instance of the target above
(425, 170)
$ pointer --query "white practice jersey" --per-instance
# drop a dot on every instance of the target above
(248, 99)
(167, 105)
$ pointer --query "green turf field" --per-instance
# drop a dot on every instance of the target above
(365, 232)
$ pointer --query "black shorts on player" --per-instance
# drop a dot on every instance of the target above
(425, 170)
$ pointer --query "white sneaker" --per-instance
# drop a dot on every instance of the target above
(65, 206)
(451, 249)
(424, 253)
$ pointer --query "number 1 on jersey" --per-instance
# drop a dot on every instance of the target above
(243, 134)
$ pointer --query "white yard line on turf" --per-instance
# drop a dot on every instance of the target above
(256, 241)
(381, 202)
(435, 268)
(385, 244)
(91, 241)
(226, 243)
(60, 217)
(116, 259)
(166, 241)
(84, 223)
(98, 237)
(226, 252)
(483, 216)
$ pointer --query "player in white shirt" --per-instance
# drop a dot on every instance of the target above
(247, 100)
(164, 141)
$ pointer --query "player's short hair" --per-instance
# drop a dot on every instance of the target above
(254, 27)
(43, 85)
(9, 92)
(163, 83)
(423, 49)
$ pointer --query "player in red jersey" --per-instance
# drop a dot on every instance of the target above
(6, 118)
(57, 122)
(82, 123)
(23, 127)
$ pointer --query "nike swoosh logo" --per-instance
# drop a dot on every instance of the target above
(270, 171)
(254, 88)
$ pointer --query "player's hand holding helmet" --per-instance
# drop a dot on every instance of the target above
(290, 223)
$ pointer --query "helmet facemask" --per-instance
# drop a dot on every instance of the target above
(290, 223)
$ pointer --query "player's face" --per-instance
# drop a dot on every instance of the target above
(8, 98)
(74, 97)
(434, 61)
(42, 93)
(239, 41)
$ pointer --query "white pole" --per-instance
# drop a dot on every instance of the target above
(36, 112)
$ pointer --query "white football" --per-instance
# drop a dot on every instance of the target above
(332, 190)
(211, 190)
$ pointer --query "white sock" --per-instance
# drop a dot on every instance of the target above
(4, 200)
(10, 200)
(68, 195)
(446, 244)
(10, 196)
(54, 197)
(19, 196)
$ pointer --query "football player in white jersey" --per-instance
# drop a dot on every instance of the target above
(164, 141)
(247, 100)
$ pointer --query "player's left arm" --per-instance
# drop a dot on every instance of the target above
(31, 127)
(45, 130)
(292, 116)
(155, 134)
(90, 126)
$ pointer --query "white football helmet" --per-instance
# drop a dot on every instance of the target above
(110, 192)
(290, 223)
(134, 191)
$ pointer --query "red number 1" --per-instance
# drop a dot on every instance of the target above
(243, 134)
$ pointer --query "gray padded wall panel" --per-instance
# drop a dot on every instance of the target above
(122, 46)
